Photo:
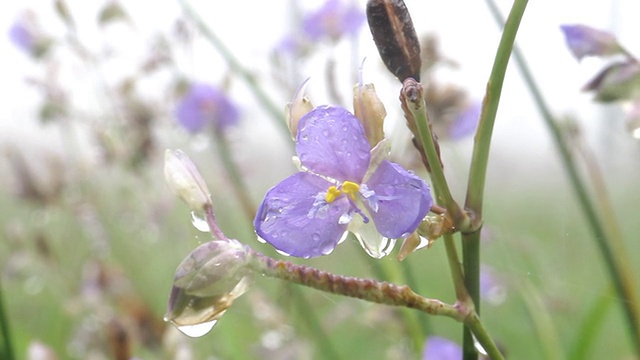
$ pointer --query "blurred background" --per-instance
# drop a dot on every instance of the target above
(91, 235)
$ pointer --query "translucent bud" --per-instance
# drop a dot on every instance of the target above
(370, 111)
(297, 108)
(412, 243)
(206, 283)
(185, 180)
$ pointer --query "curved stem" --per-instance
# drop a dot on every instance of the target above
(609, 241)
(413, 103)
(236, 179)
(479, 161)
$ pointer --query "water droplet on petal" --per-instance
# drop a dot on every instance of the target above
(345, 128)
(197, 330)
(326, 133)
(282, 253)
(261, 240)
(327, 250)
(284, 233)
(198, 221)
(343, 237)
(315, 237)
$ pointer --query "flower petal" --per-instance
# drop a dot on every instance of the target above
(403, 200)
(331, 142)
(287, 219)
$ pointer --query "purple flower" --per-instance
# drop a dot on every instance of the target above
(586, 41)
(466, 122)
(439, 348)
(22, 36)
(341, 187)
(205, 104)
(333, 20)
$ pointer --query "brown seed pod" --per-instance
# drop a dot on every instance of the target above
(395, 37)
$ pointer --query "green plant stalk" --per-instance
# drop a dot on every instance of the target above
(277, 113)
(413, 98)
(592, 325)
(542, 322)
(479, 160)
(611, 247)
(456, 271)
(7, 348)
(236, 179)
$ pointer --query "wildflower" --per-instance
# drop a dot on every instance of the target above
(206, 283)
(617, 81)
(205, 104)
(341, 186)
(584, 41)
(334, 19)
(439, 348)
(27, 36)
(466, 121)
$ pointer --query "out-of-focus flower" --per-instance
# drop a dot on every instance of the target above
(439, 348)
(341, 187)
(585, 41)
(492, 289)
(206, 283)
(617, 81)
(185, 180)
(205, 105)
(26, 36)
(466, 121)
(334, 19)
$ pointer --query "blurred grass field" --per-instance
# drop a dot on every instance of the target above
(108, 247)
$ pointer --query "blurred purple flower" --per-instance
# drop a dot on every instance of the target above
(466, 122)
(205, 104)
(339, 189)
(439, 348)
(584, 41)
(22, 36)
(492, 288)
(334, 19)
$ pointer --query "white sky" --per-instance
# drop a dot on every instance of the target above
(466, 30)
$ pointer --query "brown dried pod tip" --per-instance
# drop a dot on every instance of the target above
(395, 37)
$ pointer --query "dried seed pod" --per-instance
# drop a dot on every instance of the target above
(395, 37)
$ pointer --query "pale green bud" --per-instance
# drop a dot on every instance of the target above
(299, 106)
(370, 111)
(207, 282)
(185, 180)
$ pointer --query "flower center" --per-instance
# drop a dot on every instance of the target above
(348, 187)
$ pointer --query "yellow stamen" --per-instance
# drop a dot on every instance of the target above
(332, 194)
(350, 188)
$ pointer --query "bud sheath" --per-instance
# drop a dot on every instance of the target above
(395, 37)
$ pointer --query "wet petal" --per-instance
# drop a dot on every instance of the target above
(376, 245)
(331, 142)
(403, 200)
(288, 219)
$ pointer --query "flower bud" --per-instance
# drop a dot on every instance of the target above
(618, 81)
(206, 283)
(297, 108)
(395, 37)
(370, 111)
(185, 180)
(585, 41)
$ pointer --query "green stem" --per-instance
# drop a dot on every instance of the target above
(456, 270)
(7, 348)
(235, 177)
(412, 97)
(475, 325)
(276, 112)
(610, 246)
(479, 161)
